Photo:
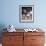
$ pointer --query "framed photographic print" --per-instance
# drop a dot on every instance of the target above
(26, 13)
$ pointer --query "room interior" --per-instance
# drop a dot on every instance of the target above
(10, 14)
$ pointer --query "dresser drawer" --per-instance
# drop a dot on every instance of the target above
(13, 33)
(34, 33)
(12, 39)
(13, 44)
(37, 44)
(37, 39)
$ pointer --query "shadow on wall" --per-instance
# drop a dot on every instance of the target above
(2, 26)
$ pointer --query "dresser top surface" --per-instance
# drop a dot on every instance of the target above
(22, 30)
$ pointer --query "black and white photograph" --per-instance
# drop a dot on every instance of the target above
(26, 13)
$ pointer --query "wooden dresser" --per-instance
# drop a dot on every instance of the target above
(23, 39)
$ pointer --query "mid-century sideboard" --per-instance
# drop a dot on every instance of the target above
(23, 39)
